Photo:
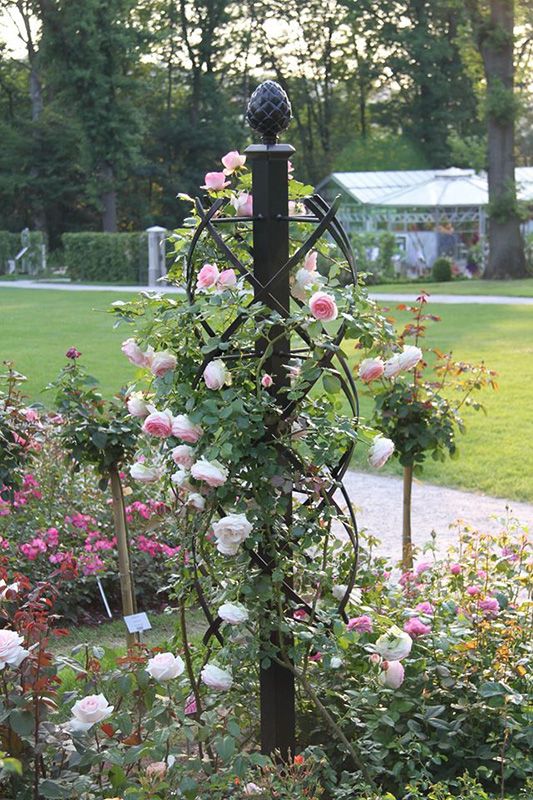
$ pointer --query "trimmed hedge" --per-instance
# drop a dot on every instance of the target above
(441, 270)
(107, 257)
(12, 243)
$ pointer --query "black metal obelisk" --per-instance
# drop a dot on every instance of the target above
(269, 114)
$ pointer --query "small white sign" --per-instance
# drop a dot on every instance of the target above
(136, 623)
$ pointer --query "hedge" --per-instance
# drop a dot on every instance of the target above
(107, 257)
(12, 243)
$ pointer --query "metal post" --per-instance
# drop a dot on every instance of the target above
(269, 113)
(156, 254)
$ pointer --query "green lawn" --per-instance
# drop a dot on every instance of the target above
(520, 288)
(495, 455)
(39, 325)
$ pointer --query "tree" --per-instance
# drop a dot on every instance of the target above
(492, 25)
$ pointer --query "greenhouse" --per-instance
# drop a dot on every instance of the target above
(432, 213)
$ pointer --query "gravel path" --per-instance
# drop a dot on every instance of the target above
(378, 502)
(405, 298)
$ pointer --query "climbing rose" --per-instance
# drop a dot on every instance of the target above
(165, 666)
(394, 645)
(162, 363)
(392, 366)
(11, 650)
(489, 606)
(215, 182)
(392, 675)
(323, 306)
(370, 369)
(207, 276)
(196, 501)
(227, 279)
(473, 590)
(266, 381)
(380, 451)
(415, 627)
(184, 429)
(425, 608)
(89, 711)
(179, 477)
(410, 357)
(310, 261)
(134, 354)
(216, 374)
(137, 405)
(212, 473)
(243, 204)
(216, 678)
(456, 569)
(361, 624)
(232, 161)
(230, 532)
(140, 472)
(303, 280)
(232, 613)
(159, 424)
(183, 455)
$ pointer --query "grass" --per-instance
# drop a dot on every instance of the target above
(495, 454)
(519, 288)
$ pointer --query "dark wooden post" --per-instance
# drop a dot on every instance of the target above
(269, 113)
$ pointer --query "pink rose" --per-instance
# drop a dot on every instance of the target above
(183, 455)
(393, 674)
(133, 353)
(415, 627)
(216, 374)
(184, 429)
(159, 424)
(410, 357)
(212, 473)
(456, 569)
(323, 306)
(489, 606)
(360, 624)
(215, 182)
(207, 277)
(232, 161)
(266, 381)
(290, 169)
(227, 279)
(473, 590)
(137, 405)
(190, 705)
(162, 363)
(393, 366)
(370, 369)
(423, 566)
(243, 204)
(145, 474)
(310, 261)
(380, 451)
(425, 608)
(374, 658)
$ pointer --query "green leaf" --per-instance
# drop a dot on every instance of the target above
(53, 790)
(492, 688)
(332, 385)
(225, 747)
(22, 722)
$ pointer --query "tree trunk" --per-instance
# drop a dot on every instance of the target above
(407, 543)
(109, 200)
(127, 590)
(506, 245)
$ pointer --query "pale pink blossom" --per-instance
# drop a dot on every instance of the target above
(11, 651)
(266, 381)
(165, 667)
(207, 277)
(303, 280)
(415, 627)
(183, 455)
(243, 204)
(393, 674)
(216, 678)
(232, 161)
(136, 405)
(361, 624)
(370, 369)
(158, 424)
(196, 500)
(135, 355)
(489, 606)
(145, 474)
(456, 569)
(425, 608)
(392, 366)
(409, 357)
(215, 374)
(212, 473)
(163, 362)
(227, 279)
(473, 590)
(184, 429)
(323, 306)
(380, 451)
(89, 711)
(310, 261)
(215, 182)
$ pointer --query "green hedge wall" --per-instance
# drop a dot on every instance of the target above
(107, 257)
(9, 247)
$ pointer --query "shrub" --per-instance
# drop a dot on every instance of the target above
(442, 270)
(113, 257)
(9, 247)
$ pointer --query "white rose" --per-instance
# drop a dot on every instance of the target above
(233, 613)
(11, 650)
(137, 405)
(393, 366)
(380, 451)
(165, 667)
(162, 363)
(410, 357)
(183, 428)
(394, 645)
(89, 711)
(196, 501)
(230, 532)
(339, 591)
(212, 473)
(179, 477)
(252, 788)
(393, 675)
(183, 455)
(216, 678)
(216, 374)
(145, 474)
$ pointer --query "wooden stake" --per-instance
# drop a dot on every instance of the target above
(407, 543)
(124, 566)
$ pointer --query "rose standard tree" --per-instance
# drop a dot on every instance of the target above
(247, 429)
